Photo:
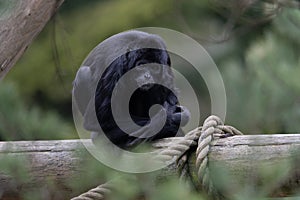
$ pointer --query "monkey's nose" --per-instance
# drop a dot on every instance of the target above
(147, 76)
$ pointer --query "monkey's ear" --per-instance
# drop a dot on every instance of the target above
(82, 88)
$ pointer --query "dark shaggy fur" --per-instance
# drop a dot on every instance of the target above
(141, 100)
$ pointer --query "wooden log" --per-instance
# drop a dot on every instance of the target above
(49, 166)
(267, 164)
(21, 22)
(238, 161)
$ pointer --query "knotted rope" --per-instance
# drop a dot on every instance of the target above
(212, 128)
(201, 137)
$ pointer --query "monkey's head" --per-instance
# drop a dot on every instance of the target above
(138, 52)
(149, 66)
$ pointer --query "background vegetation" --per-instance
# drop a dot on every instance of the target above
(256, 48)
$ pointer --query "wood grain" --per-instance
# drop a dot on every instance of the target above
(249, 160)
(20, 24)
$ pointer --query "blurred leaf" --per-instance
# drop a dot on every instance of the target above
(81, 31)
(20, 122)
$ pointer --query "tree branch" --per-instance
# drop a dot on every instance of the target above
(246, 160)
(20, 26)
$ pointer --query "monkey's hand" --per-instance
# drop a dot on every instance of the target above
(181, 115)
(156, 124)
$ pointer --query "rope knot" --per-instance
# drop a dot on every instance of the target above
(213, 127)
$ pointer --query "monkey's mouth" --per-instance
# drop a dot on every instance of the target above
(146, 87)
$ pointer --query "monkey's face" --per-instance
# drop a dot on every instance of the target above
(149, 67)
(147, 75)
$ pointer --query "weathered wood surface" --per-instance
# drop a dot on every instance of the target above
(263, 163)
(244, 159)
(19, 25)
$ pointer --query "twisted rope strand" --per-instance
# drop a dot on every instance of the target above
(213, 128)
(97, 193)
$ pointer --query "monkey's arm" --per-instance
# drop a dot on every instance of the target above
(176, 114)
(181, 115)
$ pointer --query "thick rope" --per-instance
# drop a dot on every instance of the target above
(97, 193)
(177, 148)
(213, 128)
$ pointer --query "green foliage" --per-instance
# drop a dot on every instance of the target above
(130, 186)
(14, 167)
(37, 72)
(173, 189)
(264, 181)
(70, 5)
(263, 92)
(21, 122)
(261, 77)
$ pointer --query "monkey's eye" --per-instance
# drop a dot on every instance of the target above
(156, 68)
(141, 62)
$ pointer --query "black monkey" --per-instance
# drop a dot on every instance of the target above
(145, 54)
